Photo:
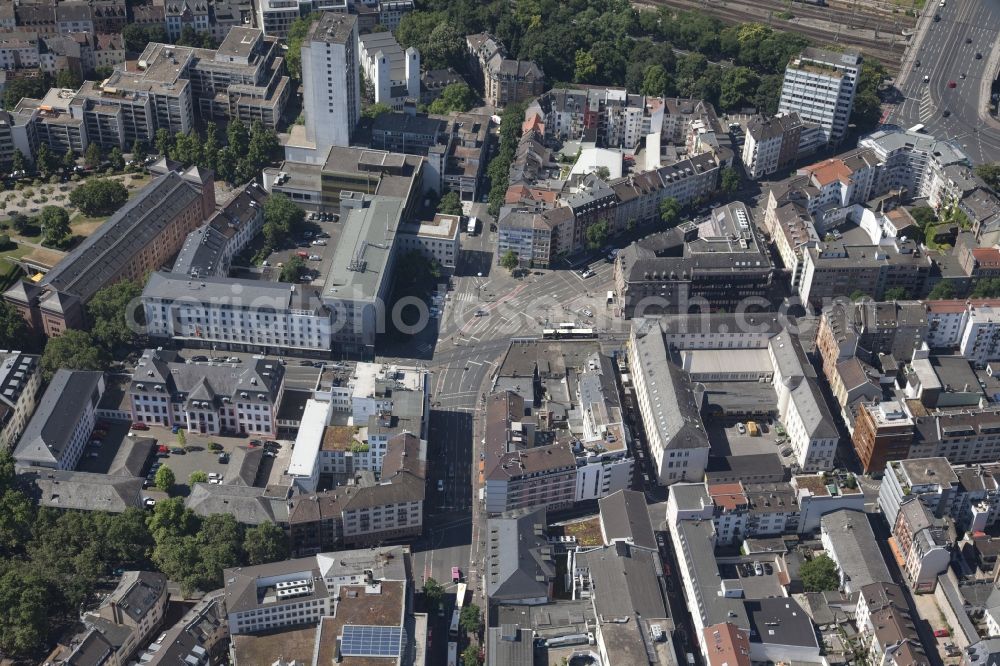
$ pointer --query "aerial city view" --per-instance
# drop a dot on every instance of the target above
(506, 332)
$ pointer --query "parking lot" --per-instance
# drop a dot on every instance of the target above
(319, 238)
(244, 466)
(727, 440)
(98, 459)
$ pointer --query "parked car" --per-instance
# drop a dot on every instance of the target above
(315, 257)
(740, 428)
(139, 425)
(941, 633)
(178, 451)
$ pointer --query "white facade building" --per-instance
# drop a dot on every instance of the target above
(61, 426)
(820, 86)
(331, 81)
(394, 74)
(436, 239)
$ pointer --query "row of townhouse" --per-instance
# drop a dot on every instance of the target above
(78, 52)
(741, 511)
(865, 185)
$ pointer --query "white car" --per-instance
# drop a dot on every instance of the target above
(740, 428)
(587, 312)
(315, 257)
(587, 274)
(319, 242)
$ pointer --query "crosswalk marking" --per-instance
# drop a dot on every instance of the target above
(926, 106)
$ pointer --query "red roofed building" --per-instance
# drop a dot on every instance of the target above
(981, 262)
(727, 645)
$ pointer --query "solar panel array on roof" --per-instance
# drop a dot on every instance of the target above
(371, 641)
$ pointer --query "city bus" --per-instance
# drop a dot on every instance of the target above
(453, 654)
(568, 333)
(460, 590)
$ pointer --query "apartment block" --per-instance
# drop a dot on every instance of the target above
(920, 544)
(819, 86)
(365, 512)
(61, 425)
(848, 539)
(518, 474)
(838, 269)
(167, 390)
(718, 263)
(669, 406)
(771, 144)
(968, 494)
(918, 163)
(139, 238)
(436, 240)
(208, 251)
(882, 432)
(20, 388)
(313, 590)
(54, 124)
(180, 14)
(505, 81)
(331, 79)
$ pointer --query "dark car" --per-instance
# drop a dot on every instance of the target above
(178, 451)
(979, 56)
(946, 113)
(952, 84)
(968, 40)
(916, 63)
(199, 359)
(937, 17)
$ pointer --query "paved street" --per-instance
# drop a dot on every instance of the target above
(462, 351)
(944, 56)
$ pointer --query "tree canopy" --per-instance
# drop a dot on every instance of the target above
(670, 211)
(73, 349)
(990, 173)
(455, 97)
(56, 231)
(265, 543)
(14, 333)
(597, 234)
(450, 204)
(99, 196)
(509, 260)
(819, 574)
(471, 619)
(165, 479)
(110, 314)
(282, 218)
(942, 291)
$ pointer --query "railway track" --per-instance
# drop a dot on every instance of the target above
(735, 11)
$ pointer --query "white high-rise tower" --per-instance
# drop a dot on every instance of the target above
(331, 81)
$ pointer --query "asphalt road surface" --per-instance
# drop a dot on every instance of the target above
(944, 56)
